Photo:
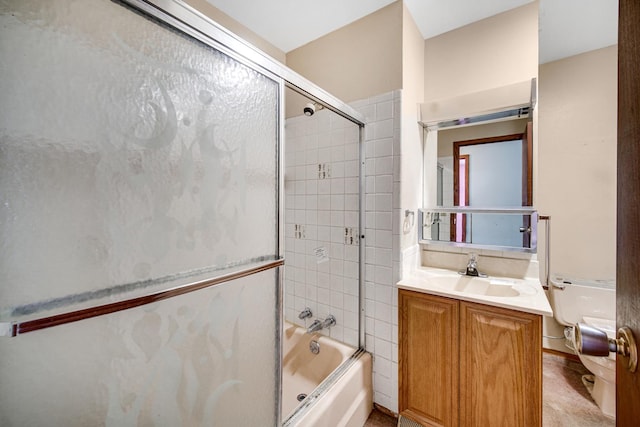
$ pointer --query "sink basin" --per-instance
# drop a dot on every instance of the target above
(521, 294)
(480, 286)
(501, 291)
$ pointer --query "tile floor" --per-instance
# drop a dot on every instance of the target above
(566, 401)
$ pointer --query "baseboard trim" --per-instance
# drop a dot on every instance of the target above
(384, 410)
(569, 356)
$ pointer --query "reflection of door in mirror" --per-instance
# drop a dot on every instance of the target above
(435, 228)
(460, 196)
(492, 171)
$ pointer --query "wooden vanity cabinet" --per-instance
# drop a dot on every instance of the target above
(468, 364)
(428, 358)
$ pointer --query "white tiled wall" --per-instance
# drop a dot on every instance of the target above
(321, 201)
(322, 221)
(382, 242)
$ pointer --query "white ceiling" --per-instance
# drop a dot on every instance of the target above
(435, 17)
(567, 27)
(288, 24)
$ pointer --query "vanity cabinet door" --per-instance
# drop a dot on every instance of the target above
(500, 367)
(428, 359)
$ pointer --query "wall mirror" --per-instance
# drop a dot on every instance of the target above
(479, 170)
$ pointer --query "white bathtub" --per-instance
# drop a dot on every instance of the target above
(348, 396)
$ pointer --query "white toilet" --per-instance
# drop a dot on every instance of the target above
(592, 303)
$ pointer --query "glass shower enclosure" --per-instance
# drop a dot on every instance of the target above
(141, 217)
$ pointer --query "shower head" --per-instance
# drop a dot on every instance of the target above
(310, 108)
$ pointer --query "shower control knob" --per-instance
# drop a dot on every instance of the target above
(306, 313)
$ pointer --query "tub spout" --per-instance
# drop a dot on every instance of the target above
(315, 326)
(321, 324)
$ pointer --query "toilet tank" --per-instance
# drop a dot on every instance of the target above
(580, 298)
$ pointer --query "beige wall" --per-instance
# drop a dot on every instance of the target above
(234, 26)
(381, 52)
(357, 61)
(577, 162)
(494, 52)
(410, 185)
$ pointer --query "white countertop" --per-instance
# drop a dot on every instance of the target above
(524, 295)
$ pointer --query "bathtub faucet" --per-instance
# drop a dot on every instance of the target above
(472, 267)
(315, 326)
(329, 321)
(321, 324)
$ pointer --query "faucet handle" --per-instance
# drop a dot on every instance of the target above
(306, 313)
(473, 258)
(329, 321)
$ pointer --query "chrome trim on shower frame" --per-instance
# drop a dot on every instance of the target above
(279, 312)
(362, 242)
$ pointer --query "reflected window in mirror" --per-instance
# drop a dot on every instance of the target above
(487, 172)
(484, 166)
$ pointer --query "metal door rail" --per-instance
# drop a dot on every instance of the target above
(14, 329)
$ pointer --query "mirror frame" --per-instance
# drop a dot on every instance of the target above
(510, 102)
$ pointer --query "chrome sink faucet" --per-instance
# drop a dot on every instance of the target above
(472, 267)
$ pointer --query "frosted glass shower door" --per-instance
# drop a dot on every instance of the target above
(136, 162)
